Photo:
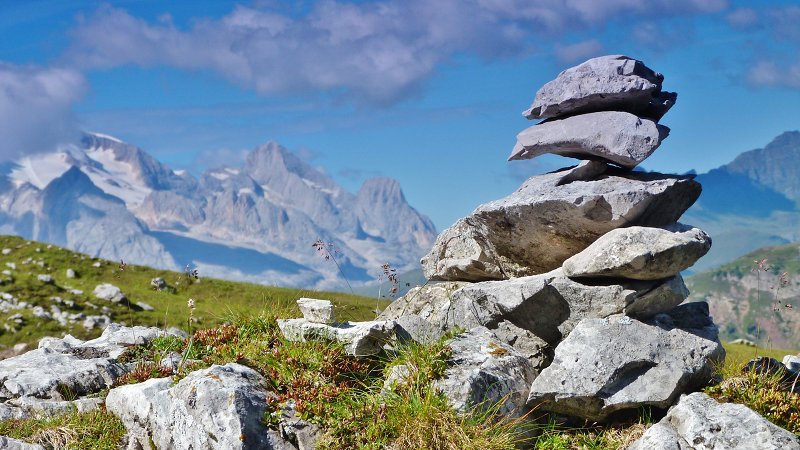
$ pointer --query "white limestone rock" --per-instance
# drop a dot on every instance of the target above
(613, 136)
(640, 253)
(317, 311)
(698, 422)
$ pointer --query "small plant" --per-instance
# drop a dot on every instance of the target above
(328, 251)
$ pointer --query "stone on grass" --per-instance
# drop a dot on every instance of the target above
(7, 443)
(71, 273)
(158, 284)
(618, 363)
(617, 137)
(483, 372)
(640, 253)
(144, 306)
(359, 338)
(606, 83)
(698, 422)
(317, 311)
(792, 363)
(45, 278)
(109, 292)
(542, 224)
(216, 408)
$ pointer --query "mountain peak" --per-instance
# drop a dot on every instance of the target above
(382, 190)
(774, 166)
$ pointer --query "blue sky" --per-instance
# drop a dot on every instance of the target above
(428, 92)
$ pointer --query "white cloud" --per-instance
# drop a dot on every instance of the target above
(36, 108)
(742, 18)
(578, 51)
(374, 51)
(769, 73)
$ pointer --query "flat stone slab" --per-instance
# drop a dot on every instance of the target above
(698, 422)
(616, 137)
(606, 83)
(535, 229)
(618, 363)
(359, 338)
(640, 253)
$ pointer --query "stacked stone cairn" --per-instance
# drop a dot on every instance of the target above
(578, 271)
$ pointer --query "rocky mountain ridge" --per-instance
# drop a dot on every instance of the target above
(254, 223)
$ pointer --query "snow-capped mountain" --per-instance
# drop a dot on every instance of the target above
(256, 223)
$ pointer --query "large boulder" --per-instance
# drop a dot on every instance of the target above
(543, 223)
(483, 372)
(640, 253)
(534, 313)
(617, 137)
(606, 83)
(698, 422)
(216, 408)
(617, 363)
(62, 369)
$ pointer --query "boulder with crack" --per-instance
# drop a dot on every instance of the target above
(613, 136)
(359, 338)
(216, 408)
(535, 229)
(618, 363)
(698, 422)
(641, 253)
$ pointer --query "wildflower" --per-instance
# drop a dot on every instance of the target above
(190, 303)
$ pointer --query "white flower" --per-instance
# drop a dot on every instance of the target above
(190, 303)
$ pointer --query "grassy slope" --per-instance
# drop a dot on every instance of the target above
(216, 300)
(743, 301)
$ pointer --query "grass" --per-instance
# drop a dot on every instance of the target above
(95, 430)
(216, 300)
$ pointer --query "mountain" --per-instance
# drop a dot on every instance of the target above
(257, 222)
(751, 302)
(751, 202)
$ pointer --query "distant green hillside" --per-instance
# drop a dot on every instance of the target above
(752, 303)
(21, 292)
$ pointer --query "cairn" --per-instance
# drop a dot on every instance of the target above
(579, 270)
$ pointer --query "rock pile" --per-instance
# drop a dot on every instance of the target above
(579, 269)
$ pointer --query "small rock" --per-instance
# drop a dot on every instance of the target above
(316, 311)
(741, 341)
(11, 265)
(6, 251)
(699, 422)
(109, 292)
(71, 273)
(144, 306)
(44, 278)
(97, 264)
(792, 363)
(158, 284)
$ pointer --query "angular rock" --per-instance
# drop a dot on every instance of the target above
(431, 302)
(550, 305)
(585, 171)
(45, 278)
(792, 363)
(617, 137)
(542, 224)
(158, 284)
(216, 408)
(317, 311)
(114, 340)
(7, 443)
(606, 83)
(698, 422)
(45, 373)
(617, 363)
(359, 338)
(640, 253)
(411, 327)
(483, 371)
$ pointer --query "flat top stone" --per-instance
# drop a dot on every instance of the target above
(602, 83)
